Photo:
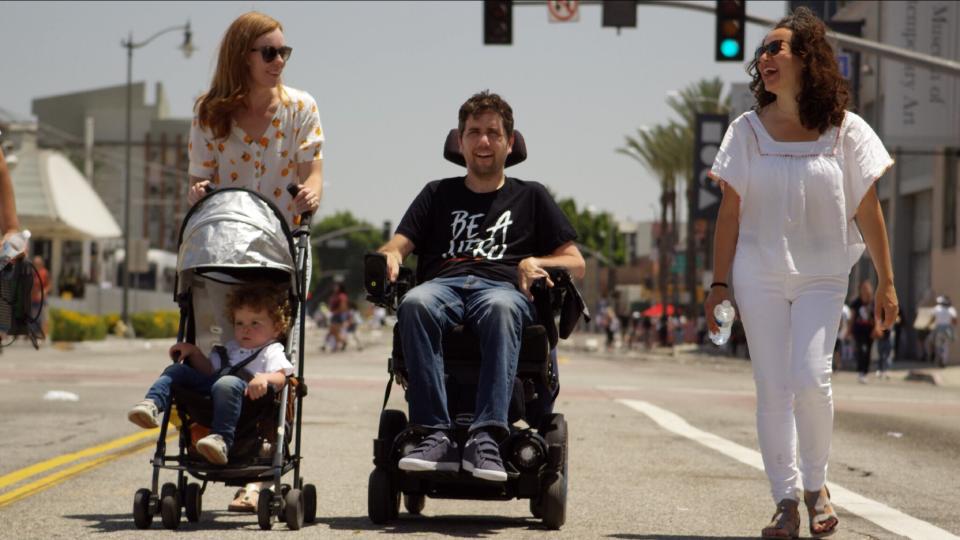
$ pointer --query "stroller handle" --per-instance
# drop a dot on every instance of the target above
(293, 189)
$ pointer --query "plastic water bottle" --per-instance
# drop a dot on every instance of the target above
(724, 314)
(13, 247)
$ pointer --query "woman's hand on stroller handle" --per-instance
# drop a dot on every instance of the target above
(305, 200)
(198, 190)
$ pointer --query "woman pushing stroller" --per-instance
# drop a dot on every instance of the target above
(246, 366)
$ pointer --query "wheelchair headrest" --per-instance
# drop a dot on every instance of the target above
(452, 153)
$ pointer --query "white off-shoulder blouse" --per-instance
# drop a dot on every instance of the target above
(798, 200)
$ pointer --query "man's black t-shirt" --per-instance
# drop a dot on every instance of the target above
(457, 232)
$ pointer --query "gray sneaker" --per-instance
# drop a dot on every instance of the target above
(145, 414)
(213, 449)
(481, 456)
(436, 452)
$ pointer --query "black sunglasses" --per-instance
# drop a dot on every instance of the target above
(270, 53)
(771, 48)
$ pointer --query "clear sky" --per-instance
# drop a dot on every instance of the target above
(389, 78)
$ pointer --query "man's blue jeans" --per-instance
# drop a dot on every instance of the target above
(226, 393)
(495, 311)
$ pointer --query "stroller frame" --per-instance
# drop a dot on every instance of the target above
(294, 503)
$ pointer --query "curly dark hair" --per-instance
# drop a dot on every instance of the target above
(824, 95)
(261, 297)
(486, 101)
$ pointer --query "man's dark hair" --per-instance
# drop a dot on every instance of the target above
(486, 101)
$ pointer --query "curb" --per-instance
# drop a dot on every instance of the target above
(918, 375)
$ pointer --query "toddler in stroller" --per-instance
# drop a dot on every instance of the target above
(244, 367)
(241, 288)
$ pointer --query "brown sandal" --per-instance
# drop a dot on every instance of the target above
(785, 522)
(822, 514)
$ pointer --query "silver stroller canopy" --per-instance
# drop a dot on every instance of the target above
(235, 228)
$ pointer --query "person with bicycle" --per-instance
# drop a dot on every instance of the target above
(944, 321)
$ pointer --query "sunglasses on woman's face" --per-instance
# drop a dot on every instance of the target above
(771, 48)
(270, 53)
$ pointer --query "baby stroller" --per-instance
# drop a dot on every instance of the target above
(230, 237)
(536, 450)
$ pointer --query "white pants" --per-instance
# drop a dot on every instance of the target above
(791, 324)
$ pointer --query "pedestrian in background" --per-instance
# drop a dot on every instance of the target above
(39, 294)
(863, 327)
(339, 307)
(842, 348)
(252, 131)
(797, 174)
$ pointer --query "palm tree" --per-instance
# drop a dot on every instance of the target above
(658, 149)
(702, 96)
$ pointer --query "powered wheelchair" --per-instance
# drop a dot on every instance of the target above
(535, 452)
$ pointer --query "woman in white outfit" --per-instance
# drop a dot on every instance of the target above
(797, 174)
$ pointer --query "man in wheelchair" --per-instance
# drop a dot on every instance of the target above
(481, 241)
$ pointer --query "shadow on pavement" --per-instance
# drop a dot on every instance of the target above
(472, 526)
(627, 536)
(210, 520)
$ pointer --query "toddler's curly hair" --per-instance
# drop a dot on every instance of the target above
(262, 297)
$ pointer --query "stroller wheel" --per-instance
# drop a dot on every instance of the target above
(141, 509)
(170, 510)
(265, 509)
(193, 502)
(309, 503)
(293, 510)
(167, 489)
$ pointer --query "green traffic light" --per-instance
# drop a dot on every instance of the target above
(729, 48)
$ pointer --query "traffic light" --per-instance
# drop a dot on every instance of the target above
(497, 22)
(731, 22)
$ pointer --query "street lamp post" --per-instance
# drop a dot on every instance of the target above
(187, 48)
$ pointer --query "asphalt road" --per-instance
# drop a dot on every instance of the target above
(660, 447)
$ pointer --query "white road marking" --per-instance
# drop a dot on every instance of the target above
(890, 519)
(752, 393)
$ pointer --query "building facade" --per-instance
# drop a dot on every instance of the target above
(91, 127)
(916, 112)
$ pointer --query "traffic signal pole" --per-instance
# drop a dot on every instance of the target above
(853, 43)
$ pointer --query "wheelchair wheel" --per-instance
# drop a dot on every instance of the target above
(414, 502)
(552, 503)
(265, 509)
(141, 509)
(293, 509)
(392, 422)
(193, 500)
(536, 509)
(309, 503)
(383, 499)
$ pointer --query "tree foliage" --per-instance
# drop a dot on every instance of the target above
(340, 256)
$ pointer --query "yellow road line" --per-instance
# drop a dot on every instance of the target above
(52, 479)
(59, 476)
(26, 472)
